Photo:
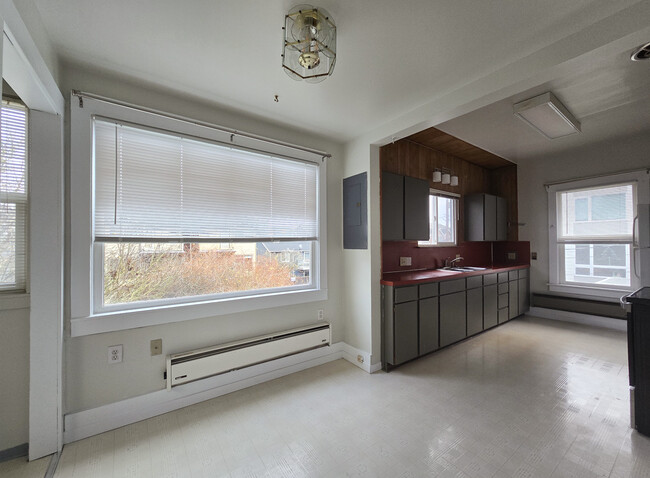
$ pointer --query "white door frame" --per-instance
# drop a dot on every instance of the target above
(24, 68)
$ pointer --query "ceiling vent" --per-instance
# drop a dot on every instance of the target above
(641, 53)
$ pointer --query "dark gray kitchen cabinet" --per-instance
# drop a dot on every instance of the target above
(453, 319)
(405, 208)
(421, 318)
(400, 324)
(524, 294)
(428, 325)
(416, 209)
(392, 206)
(513, 299)
(485, 218)
(474, 311)
(405, 329)
(490, 310)
(502, 219)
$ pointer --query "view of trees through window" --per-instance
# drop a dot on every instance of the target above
(135, 272)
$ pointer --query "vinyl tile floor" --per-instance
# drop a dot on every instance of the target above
(531, 398)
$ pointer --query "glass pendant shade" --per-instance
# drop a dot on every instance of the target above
(454, 181)
(437, 176)
(309, 50)
(446, 178)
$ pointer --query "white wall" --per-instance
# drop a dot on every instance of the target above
(610, 157)
(90, 381)
(362, 294)
(14, 392)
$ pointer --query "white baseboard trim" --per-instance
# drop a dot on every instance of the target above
(91, 422)
(575, 317)
(359, 358)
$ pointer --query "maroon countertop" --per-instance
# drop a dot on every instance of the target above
(429, 275)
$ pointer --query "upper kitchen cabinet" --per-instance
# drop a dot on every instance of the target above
(405, 208)
(486, 218)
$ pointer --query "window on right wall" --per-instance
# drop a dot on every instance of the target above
(592, 236)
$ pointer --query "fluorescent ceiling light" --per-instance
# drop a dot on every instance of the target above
(547, 115)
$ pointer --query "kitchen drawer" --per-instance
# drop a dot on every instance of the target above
(489, 279)
(451, 286)
(503, 315)
(523, 273)
(503, 288)
(428, 290)
(404, 294)
(503, 301)
(474, 282)
(503, 277)
(513, 275)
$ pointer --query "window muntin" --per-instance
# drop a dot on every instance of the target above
(13, 197)
(442, 221)
(179, 219)
(594, 236)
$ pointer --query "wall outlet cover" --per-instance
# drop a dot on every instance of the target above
(321, 314)
(156, 347)
(115, 353)
(404, 261)
(533, 256)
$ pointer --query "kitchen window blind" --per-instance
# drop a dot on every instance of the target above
(155, 186)
(602, 214)
(13, 197)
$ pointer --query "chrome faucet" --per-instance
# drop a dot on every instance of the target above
(449, 263)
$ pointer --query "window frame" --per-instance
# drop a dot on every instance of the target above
(21, 202)
(556, 250)
(86, 276)
(456, 202)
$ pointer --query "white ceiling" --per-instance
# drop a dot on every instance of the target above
(606, 91)
(393, 56)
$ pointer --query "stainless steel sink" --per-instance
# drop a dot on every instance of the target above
(461, 269)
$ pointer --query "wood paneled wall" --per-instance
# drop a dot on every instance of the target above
(412, 159)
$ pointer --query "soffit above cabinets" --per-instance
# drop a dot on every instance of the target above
(439, 140)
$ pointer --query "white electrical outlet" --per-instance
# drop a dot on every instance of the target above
(321, 314)
(114, 353)
(404, 261)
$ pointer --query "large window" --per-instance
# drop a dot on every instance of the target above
(592, 236)
(13, 197)
(180, 213)
(442, 221)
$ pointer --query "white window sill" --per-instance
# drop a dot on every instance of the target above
(12, 301)
(577, 290)
(134, 318)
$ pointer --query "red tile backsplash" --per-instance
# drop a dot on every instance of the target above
(474, 254)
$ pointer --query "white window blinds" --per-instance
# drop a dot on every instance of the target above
(13, 197)
(155, 186)
(603, 214)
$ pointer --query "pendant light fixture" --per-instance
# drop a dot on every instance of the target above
(309, 50)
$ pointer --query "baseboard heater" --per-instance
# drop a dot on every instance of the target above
(206, 362)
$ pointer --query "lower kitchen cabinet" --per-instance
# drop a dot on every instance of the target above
(428, 325)
(405, 332)
(421, 318)
(513, 301)
(524, 295)
(490, 310)
(474, 311)
(453, 319)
